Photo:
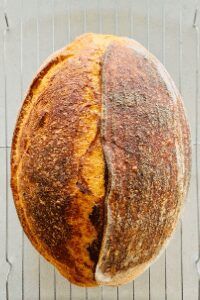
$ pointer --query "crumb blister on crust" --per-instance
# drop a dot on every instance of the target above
(100, 160)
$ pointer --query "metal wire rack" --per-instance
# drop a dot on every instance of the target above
(29, 31)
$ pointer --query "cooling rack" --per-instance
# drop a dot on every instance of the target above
(29, 31)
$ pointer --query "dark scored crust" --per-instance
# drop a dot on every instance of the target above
(146, 145)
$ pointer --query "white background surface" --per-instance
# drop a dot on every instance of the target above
(36, 29)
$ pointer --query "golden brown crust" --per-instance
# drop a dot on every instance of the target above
(49, 171)
(80, 135)
(16, 154)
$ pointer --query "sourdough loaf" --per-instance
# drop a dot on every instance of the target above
(100, 160)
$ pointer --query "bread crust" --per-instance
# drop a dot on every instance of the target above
(146, 145)
(133, 129)
(15, 157)
(47, 172)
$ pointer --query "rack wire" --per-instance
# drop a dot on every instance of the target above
(26, 275)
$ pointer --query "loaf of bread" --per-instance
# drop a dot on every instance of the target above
(100, 160)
